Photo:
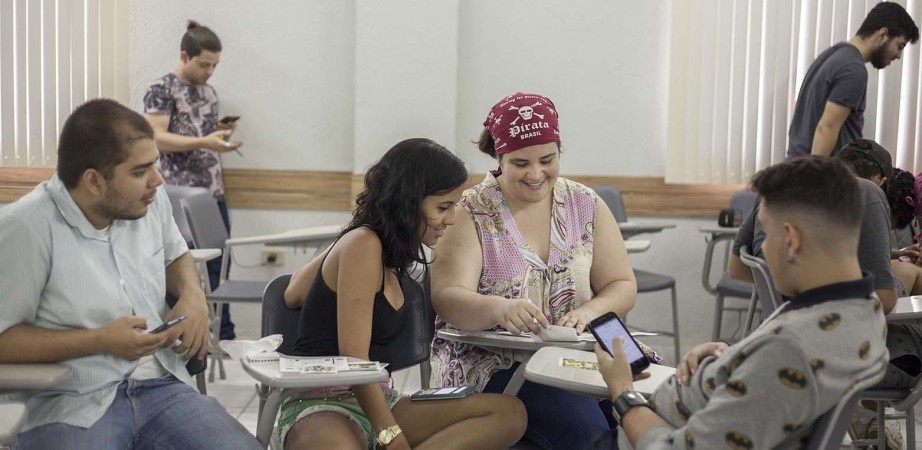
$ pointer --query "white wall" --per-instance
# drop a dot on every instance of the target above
(331, 85)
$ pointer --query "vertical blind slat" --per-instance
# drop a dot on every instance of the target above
(7, 87)
(736, 122)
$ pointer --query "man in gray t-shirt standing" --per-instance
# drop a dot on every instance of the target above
(830, 106)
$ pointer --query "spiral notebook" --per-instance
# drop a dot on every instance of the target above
(263, 357)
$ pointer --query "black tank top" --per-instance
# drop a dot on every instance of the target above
(318, 329)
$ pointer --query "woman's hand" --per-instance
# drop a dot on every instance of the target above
(688, 365)
(615, 369)
(519, 315)
(577, 318)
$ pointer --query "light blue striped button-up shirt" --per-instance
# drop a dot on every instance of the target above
(58, 272)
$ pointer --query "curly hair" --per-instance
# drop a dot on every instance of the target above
(901, 186)
(391, 202)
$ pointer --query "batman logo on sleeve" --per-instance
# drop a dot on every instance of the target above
(689, 440)
(684, 413)
(738, 441)
(830, 321)
(710, 385)
(864, 350)
(817, 365)
(792, 378)
(736, 388)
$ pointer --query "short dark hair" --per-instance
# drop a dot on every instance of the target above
(97, 136)
(816, 186)
(901, 186)
(391, 202)
(894, 18)
(197, 38)
(866, 158)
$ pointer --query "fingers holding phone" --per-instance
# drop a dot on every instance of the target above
(227, 123)
(124, 338)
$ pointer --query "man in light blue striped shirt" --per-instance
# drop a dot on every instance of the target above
(87, 259)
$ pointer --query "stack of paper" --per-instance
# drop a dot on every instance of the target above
(324, 365)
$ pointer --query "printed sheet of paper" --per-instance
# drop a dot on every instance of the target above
(579, 364)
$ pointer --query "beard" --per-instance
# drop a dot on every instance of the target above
(879, 58)
(114, 207)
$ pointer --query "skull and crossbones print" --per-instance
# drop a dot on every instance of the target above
(525, 112)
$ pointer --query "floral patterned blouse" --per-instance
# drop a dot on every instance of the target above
(512, 270)
(193, 111)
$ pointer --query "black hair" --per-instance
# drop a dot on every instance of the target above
(391, 202)
(97, 136)
(197, 38)
(894, 18)
(860, 162)
(902, 185)
(813, 185)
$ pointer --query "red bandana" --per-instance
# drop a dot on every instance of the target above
(522, 120)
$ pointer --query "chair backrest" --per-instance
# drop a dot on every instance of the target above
(744, 200)
(278, 318)
(613, 199)
(769, 297)
(175, 193)
(205, 221)
(409, 348)
(829, 430)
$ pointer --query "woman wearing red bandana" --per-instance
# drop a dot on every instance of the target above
(522, 259)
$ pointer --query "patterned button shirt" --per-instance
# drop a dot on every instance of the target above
(193, 111)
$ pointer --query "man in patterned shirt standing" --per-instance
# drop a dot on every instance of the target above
(183, 110)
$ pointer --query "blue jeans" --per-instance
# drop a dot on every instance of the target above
(557, 418)
(161, 413)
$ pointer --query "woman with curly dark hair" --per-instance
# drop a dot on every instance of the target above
(352, 299)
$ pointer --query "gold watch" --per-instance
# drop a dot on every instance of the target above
(387, 435)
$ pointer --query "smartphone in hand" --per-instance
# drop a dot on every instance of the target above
(606, 328)
(229, 119)
(167, 325)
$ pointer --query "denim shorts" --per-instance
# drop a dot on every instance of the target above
(322, 400)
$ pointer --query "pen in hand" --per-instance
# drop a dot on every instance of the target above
(228, 145)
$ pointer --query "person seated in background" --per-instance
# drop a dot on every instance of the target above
(522, 257)
(806, 355)
(352, 299)
(872, 166)
(903, 201)
(87, 260)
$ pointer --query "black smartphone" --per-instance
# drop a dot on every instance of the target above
(606, 328)
(443, 393)
(169, 324)
(229, 119)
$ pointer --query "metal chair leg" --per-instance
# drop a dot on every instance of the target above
(718, 317)
(675, 325)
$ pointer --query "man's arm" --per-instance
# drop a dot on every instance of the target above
(827, 130)
(738, 270)
(182, 281)
(122, 338)
(171, 142)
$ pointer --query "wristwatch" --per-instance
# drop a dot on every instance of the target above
(626, 401)
(387, 435)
